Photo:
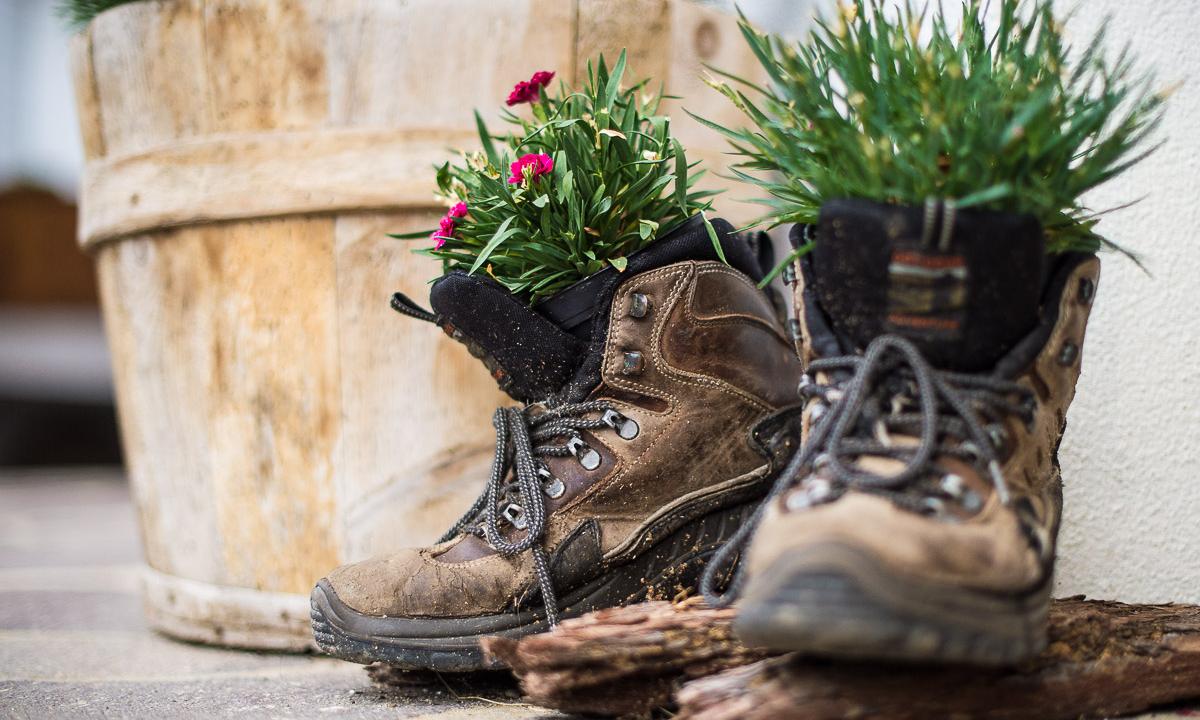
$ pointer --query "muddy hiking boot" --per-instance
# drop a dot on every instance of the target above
(645, 442)
(919, 520)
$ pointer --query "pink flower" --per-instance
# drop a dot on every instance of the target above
(458, 211)
(539, 165)
(436, 238)
(524, 91)
(447, 225)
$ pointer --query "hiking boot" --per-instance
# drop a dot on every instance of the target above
(919, 520)
(646, 441)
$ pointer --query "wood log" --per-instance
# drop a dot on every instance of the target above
(1103, 659)
(623, 661)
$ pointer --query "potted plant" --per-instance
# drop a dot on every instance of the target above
(590, 177)
(936, 170)
(1002, 120)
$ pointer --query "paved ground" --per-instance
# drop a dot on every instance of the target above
(73, 643)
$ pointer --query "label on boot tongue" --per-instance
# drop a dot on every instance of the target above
(964, 289)
(926, 294)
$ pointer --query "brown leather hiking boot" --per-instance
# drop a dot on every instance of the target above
(919, 519)
(647, 447)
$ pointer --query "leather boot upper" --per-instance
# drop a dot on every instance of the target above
(955, 523)
(695, 355)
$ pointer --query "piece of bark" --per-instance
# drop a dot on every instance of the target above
(623, 661)
(1103, 659)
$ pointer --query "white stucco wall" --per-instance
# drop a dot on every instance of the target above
(1131, 456)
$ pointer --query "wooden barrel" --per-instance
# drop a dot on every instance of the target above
(245, 159)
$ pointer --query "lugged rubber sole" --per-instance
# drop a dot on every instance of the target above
(836, 601)
(452, 644)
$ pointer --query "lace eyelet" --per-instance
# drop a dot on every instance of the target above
(626, 427)
(933, 506)
(997, 435)
(814, 491)
(588, 458)
(551, 486)
(953, 486)
(515, 515)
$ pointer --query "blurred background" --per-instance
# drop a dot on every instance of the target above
(56, 400)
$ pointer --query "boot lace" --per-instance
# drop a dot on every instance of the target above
(516, 492)
(889, 389)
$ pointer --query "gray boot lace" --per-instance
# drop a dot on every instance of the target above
(891, 388)
(522, 436)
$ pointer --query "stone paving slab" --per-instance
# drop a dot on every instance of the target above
(74, 643)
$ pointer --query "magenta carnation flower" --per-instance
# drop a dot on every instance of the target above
(527, 91)
(540, 164)
(437, 239)
(522, 92)
(459, 210)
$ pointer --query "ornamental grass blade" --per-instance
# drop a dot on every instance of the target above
(416, 235)
(614, 80)
(502, 233)
(712, 235)
(485, 139)
(681, 173)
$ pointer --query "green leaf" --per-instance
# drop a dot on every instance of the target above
(892, 102)
(541, 200)
(647, 229)
(712, 235)
(415, 235)
(620, 263)
(502, 233)
(486, 140)
(614, 80)
(681, 173)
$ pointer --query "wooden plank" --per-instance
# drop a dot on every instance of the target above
(702, 36)
(161, 367)
(429, 63)
(149, 77)
(1103, 659)
(260, 175)
(418, 441)
(275, 417)
(265, 64)
(87, 98)
(640, 27)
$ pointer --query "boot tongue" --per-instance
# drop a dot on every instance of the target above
(533, 353)
(528, 356)
(963, 286)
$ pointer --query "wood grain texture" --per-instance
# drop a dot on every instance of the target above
(425, 453)
(222, 178)
(1104, 659)
(147, 61)
(623, 661)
